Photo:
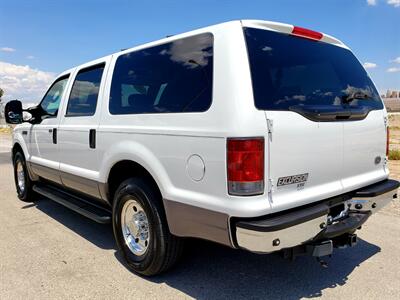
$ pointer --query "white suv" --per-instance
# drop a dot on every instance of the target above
(256, 135)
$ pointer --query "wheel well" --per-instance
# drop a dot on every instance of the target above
(17, 148)
(126, 169)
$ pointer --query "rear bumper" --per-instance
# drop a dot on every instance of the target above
(313, 223)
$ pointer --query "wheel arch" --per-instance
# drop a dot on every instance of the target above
(124, 169)
(20, 144)
(17, 148)
(132, 157)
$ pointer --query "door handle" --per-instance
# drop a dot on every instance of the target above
(92, 138)
(54, 130)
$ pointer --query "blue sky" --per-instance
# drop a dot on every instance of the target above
(39, 39)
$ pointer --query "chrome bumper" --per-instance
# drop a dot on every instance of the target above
(265, 242)
(270, 234)
(372, 204)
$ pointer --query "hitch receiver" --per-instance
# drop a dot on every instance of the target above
(345, 240)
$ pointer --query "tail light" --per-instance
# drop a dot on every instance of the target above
(387, 141)
(245, 163)
(307, 33)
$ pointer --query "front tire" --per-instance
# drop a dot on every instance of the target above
(23, 183)
(141, 229)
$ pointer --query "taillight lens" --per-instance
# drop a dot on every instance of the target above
(245, 163)
(387, 141)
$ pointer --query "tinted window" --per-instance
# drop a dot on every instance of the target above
(83, 98)
(170, 78)
(288, 71)
(51, 100)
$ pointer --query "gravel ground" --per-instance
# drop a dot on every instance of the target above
(49, 252)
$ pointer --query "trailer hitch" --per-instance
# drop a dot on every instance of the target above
(315, 249)
(322, 248)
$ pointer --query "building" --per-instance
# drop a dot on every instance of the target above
(391, 94)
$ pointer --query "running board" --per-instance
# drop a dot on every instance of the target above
(74, 203)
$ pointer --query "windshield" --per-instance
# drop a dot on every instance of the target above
(289, 71)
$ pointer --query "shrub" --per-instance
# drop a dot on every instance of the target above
(394, 154)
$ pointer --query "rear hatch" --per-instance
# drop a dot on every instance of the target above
(325, 117)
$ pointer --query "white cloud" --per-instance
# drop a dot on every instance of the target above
(393, 70)
(30, 57)
(267, 48)
(191, 54)
(7, 49)
(396, 60)
(369, 65)
(23, 82)
(395, 3)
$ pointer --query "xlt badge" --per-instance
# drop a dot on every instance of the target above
(292, 179)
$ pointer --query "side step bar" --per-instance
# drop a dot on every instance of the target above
(74, 203)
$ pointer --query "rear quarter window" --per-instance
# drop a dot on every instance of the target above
(174, 77)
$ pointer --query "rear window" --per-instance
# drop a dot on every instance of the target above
(289, 71)
(171, 78)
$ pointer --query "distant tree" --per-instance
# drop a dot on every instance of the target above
(1, 93)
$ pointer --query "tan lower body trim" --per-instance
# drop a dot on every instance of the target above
(191, 221)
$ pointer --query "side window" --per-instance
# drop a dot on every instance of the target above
(85, 90)
(170, 78)
(51, 101)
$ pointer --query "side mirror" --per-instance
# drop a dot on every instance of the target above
(13, 112)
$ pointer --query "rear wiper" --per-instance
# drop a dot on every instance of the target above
(331, 113)
(354, 96)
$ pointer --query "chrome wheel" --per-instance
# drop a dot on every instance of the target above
(20, 177)
(135, 227)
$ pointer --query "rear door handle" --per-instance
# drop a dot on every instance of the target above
(92, 138)
(54, 130)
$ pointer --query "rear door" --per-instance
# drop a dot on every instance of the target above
(305, 159)
(364, 151)
(78, 129)
(318, 134)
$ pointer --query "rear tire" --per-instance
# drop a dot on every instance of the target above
(23, 183)
(141, 229)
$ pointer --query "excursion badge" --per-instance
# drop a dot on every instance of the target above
(292, 179)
